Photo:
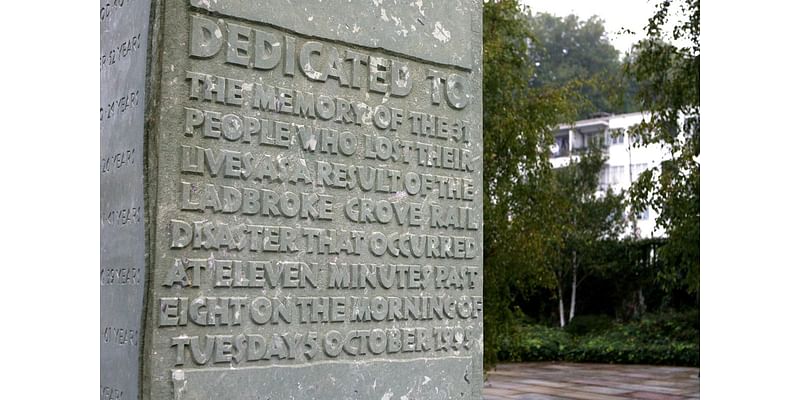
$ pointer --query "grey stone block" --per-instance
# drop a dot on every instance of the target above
(301, 186)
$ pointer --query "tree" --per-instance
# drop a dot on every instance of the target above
(517, 121)
(587, 219)
(666, 66)
(572, 52)
(628, 266)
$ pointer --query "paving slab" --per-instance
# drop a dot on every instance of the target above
(570, 381)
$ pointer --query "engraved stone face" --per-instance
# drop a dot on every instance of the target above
(317, 199)
(123, 62)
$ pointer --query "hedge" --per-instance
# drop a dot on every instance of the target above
(671, 339)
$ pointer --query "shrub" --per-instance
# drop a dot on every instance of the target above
(534, 343)
(584, 324)
(663, 339)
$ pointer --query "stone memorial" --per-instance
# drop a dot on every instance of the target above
(291, 199)
(124, 29)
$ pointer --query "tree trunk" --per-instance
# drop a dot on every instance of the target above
(642, 306)
(574, 285)
(561, 306)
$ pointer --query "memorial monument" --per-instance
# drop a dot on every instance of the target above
(291, 199)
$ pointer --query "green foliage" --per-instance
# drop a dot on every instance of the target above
(585, 324)
(662, 339)
(572, 52)
(535, 343)
(628, 267)
(667, 327)
(517, 122)
(584, 218)
(544, 227)
(668, 76)
(601, 350)
(591, 216)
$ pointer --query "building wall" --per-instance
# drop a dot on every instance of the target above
(624, 160)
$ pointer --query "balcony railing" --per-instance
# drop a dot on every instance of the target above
(562, 152)
(582, 150)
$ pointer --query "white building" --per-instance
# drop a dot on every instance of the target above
(625, 161)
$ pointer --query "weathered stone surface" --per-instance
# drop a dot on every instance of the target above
(123, 61)
(314, 213)
(420, 378)
(434, 31)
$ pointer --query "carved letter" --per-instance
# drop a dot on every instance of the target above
(206, 37)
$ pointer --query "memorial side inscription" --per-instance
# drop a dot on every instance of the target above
(318, 203)
(124, 27)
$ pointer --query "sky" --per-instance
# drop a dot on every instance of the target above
(617, 14)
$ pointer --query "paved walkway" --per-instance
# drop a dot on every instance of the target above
(550, 381)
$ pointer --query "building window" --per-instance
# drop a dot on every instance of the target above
(616, 174)
(638, 169)
(561, 146)
(616, 136)
(597, 139)
(604, 181)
